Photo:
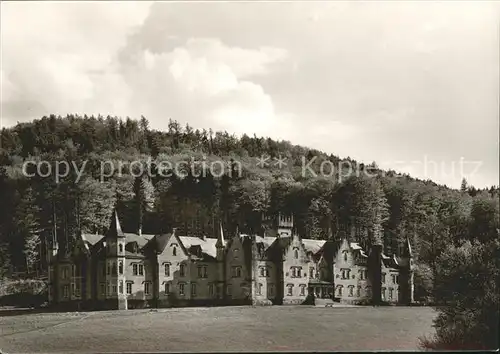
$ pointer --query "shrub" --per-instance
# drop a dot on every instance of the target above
(466, 282)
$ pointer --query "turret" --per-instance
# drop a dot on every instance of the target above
(220, 244)
(115, 251)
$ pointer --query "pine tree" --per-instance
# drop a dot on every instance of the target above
(464, 186)
(28, 229)
(143, 199)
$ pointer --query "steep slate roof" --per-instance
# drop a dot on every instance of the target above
(313, 246)
(141, 240)
(91, 239)
(114, 230)
(208, 245)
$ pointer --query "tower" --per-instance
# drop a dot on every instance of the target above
(285, 225)
(115, 261)
(52, 260)
(406, 285)
(220, 246)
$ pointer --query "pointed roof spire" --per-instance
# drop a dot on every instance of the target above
(408, 246)
(220, 238)
(115, 230)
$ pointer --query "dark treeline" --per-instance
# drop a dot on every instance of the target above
(385, 208)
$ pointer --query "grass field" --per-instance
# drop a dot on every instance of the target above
(277, 328)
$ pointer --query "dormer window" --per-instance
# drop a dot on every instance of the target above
(174, 251)
(120, 246)
(296, 254)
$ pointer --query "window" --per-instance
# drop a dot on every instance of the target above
(113, 268)
(167, 270)
(65, 273)
(236, 253)
(134, 269)
(77, 289)
(228, 290)
(296, 254)
(270, 290)
(362, 274)
(296, 272)
(259, 289)
(358, 291)
(345, 256)
(383, 294)
(147, 289)
(120, 246)
(121, 287)
(290, 289)
(65, 291)
(346, 273)
(120, 267)
(174, 251)
(108, 269)
(114, 290)
(383, 277)
(182, 270)
(103, 289)
(202, 272)
(351, 290)
(390, 293)
(141, 269)
(211, 289)
(129, 288)
(339, 290)
(397, 279)
(302, 289)
(181, 289)
(73, 289)
(311, 272)
(167, 288)
(264, 271)
(193, 290)
(236, 272)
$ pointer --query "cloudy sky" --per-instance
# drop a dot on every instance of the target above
(413, 86)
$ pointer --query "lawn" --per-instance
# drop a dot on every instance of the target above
(277, 328)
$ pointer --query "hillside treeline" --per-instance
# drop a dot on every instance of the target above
(383, 206)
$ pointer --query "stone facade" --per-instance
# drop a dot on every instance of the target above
(121, 270)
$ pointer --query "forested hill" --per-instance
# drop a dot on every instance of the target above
(383, 206)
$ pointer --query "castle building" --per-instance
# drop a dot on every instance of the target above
(121, 270)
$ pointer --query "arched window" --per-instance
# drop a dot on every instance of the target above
(113, 267)
(345, 256)
(120, 267)
(174, 251)
(296, 254)
(121, 247)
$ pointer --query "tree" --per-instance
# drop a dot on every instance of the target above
(467, 282)
(28, 230)
(143, 199)
(361, 202)
(423, 282)
(464, 186)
